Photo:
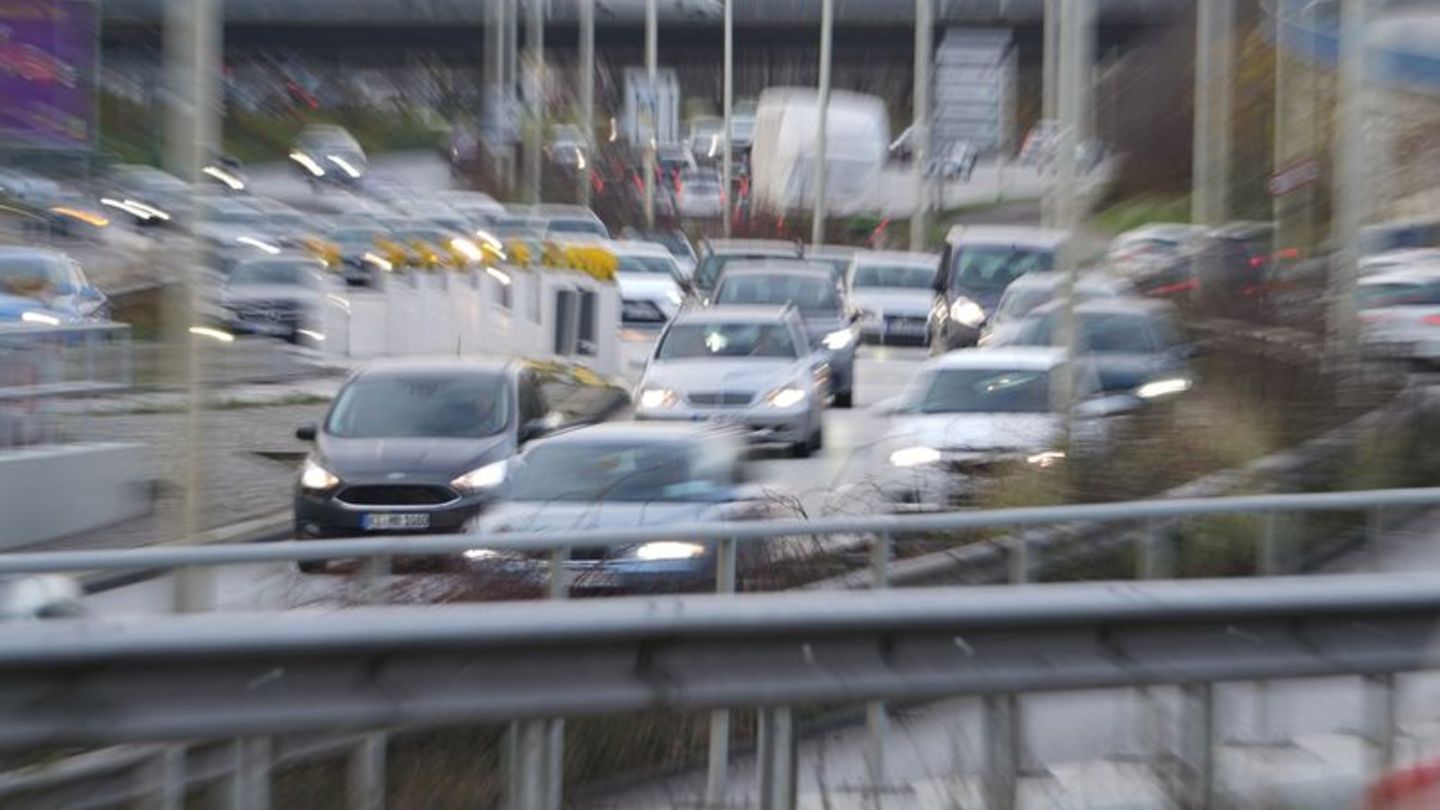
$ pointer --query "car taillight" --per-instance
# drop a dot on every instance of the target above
(1432, 320)
(1288, 253)
(1257, 261)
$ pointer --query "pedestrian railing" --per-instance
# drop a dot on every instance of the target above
(40, 363)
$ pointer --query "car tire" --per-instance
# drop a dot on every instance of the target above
(312, 566)
(845, 399)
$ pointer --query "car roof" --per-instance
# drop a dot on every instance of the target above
(778, 247)
(1006, 234)
(560, 210)
(893, 257)
(638, 247)
(1049, 281)
(834, 250)
(726, 313)
(1117, 305)
(1419, 255)
(801, 269)
(638, 432)
(1038, 358)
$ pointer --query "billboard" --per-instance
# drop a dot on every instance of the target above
(47, 73)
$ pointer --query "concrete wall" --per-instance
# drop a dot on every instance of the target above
(58, 490)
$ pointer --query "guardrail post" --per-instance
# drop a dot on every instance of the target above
(877, 718)
(775, 751)
(1268, 561)
(1019, 548)
(555, 727)
(1001, 741)
(365, 773)
(170, 775)
(527, 750)
(372, 579)
(1197, 747)
(1154, 559)
(1374, 529)
(1381, 718)
(250, 785)
(717, 755)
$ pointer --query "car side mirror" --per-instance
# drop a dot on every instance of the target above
(305, 433)
(1114, 405)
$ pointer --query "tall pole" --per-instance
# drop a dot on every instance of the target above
(822, 128)
(652, 77)
(726, 160)
(1074, 27)
(535, 98)
(924, 52)
(1214, 72)
(587, 97)
(1050, 103)
(511, 81)
(495, 97)
(1352, 199)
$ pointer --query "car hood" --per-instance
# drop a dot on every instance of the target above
(756, 375)
(543, 516)
(892, 301)
(1123, 372)
(270, 292)
(421, 458)
(975, 432)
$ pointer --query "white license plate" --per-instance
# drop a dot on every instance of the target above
(389, 521)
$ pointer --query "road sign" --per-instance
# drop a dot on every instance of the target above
(1294, 177)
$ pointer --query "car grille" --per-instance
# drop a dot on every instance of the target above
(641, 312)
(391, 495)
(277, 311)
(722, 399)
(903, 323)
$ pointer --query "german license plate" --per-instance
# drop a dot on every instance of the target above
(391, 521)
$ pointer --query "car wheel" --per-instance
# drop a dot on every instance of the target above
(804, 448)
(817, 440)
(844, 399)
(312, 566)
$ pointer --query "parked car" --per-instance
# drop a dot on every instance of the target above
(478, 206)
(828, 319)
(278, 296)
(650, 283)
(624, 476)
(671, 161)
(1030, 292)
(357, 252)
(1399, 314)
(970, 413)
(413, 446)
(329, 154)
(748, 366)
(715, 254)
(698, 195)
(891, 292)
(978, 264)
(1133, 344)
(47, 287)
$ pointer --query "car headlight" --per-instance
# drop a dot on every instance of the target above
(839, 339)
(785, 397)
(316, 478)
(967, 312)
(487, 477)
(656, 398)
(1162, 388)
(669, 550)
(1047, 459)
(914, 456)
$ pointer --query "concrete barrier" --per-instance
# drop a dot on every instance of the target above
(52, 491)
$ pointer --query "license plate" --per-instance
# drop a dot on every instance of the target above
(905, 328)
(387, 521)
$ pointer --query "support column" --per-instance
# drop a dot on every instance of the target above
(535, 99)
(920, 135)
(1351, 202)
(652, 71)
(822, 128)
(587, 98)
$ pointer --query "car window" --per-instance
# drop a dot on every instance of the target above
(1116, 333)
(993, 267)
(981, 391)
(298, 273)
(902, 276)
(27, 275)
(1379, 296)
(720, 340)
(468, 406)
(626, 472)
(713, 265)
(656, 265)
(807, 293)
(531, 399)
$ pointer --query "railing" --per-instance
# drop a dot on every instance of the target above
(39, 363)
(1153, 559)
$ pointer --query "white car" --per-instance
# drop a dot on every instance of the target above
(970, 413)
(650, 283)
(1135, 251)
(1404, 259)
(699, 195)
(1400, 314)
(893, 292)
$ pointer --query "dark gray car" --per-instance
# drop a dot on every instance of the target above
(415, 447)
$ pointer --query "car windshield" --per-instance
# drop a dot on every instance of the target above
(1021, 301)
(993, 267)
(839, 265)
(713, 265)
(29, 275)
(808, 293)
(297, 273)
(1108, 333)
(988, 390)
(896, 276)
(439, 406)
(719, 340)
(1380, 296)
(629, 473)
(655, 265)
(675, 243)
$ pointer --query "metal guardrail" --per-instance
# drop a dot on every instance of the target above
(1154, 559)
(253, 676)
(40, 363)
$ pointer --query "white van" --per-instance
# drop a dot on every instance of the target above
(783, 158)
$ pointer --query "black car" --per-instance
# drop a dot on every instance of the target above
(979, 263)
(415, 447)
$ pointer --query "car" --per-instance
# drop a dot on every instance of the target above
(623, 476)
(698, 195)
(672, 160)
(277, 296)
(478, 206)
(1133, 343)
(1402, 259)
(674, 241)
(357, 253)
(706, 139)
(837, 257)
(414, 446)
(419, 243)
(226, 174)
(715, 254)
(829, 321)
(553, 219)
(232, 229)
(972, 412)
(747, 366)
(955, 162)
(891, 291)
(567, 147)
(979, 262)
(329, 154)
(47, 287)
(650, 283)
(149, 196)
(1399, 314)
(1030, 292)
(1228, 268)
(1134, 251)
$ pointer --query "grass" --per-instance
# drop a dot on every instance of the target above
(1133, 213)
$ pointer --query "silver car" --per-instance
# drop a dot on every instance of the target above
(1399, 314)
(747, 366)
(893, 292)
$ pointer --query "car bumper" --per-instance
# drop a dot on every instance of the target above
(762, 426)
(902, 330)
(322, 518)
